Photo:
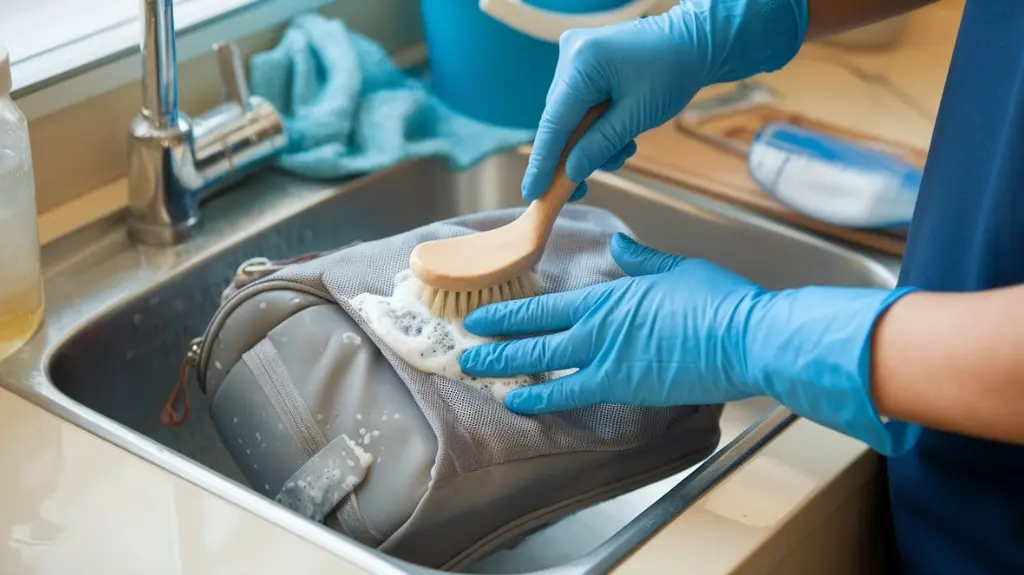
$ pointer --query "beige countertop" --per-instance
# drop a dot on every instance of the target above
(73, 503)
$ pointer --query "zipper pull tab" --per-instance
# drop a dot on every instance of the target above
(169, 416)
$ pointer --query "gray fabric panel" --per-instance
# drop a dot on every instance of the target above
(246, 326)
(351, 389)
(265, 452)
(468, 508)
(272, 377)
(354, 523)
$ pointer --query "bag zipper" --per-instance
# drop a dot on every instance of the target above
(199, 348)
(204, 343)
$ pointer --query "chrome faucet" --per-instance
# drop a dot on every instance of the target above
(174, 162)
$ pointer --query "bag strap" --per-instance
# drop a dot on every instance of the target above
(326, 479)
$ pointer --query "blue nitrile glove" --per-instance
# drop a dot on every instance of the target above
(650, 69)
(681, 331)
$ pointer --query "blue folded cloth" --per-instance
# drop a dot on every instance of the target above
(349, 110)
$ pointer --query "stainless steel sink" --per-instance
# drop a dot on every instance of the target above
(120, 317)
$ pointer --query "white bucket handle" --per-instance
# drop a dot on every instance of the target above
(549, 25)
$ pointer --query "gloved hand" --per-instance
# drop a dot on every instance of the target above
(680, 331)
(650, 69)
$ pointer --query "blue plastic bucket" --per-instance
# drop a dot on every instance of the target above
(487, 70)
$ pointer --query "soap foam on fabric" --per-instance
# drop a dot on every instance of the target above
(308, 495)
(427, 343)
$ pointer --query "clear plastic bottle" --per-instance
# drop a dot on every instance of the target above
(21, 285)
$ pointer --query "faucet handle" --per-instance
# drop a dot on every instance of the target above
(232, 74)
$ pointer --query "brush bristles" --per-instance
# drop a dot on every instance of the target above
(450, 305)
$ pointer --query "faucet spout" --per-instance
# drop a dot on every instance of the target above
(159, 63)
(174, 162)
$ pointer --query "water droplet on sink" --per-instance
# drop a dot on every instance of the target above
(280, 426)
(351, 338)
(263, 305)
(266, 486)
(235, 420)
(128, 356)
(296, 300)
(217, 365)
(137, 319)
(319, 416)
(257, 436)
(359, 416)
(384, 417)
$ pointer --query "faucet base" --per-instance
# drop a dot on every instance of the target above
(174, 161)
(163, 235)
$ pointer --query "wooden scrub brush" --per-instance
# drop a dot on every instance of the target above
(460, 274)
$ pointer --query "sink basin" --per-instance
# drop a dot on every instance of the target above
(120, 317)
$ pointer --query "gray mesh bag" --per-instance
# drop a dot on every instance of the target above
(320, 415)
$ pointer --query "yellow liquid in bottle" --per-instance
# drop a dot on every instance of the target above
(21, 314)
(21, 284)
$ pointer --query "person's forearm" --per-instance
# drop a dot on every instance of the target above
(953, 362)
(827, 17)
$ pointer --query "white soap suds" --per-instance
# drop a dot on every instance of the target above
(306, 496)
(358, 415)
(351, 338)
(365, 459)
(427, 343)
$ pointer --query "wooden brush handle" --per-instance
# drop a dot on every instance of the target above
(545, 210)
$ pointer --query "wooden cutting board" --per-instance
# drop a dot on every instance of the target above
(670, 154)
